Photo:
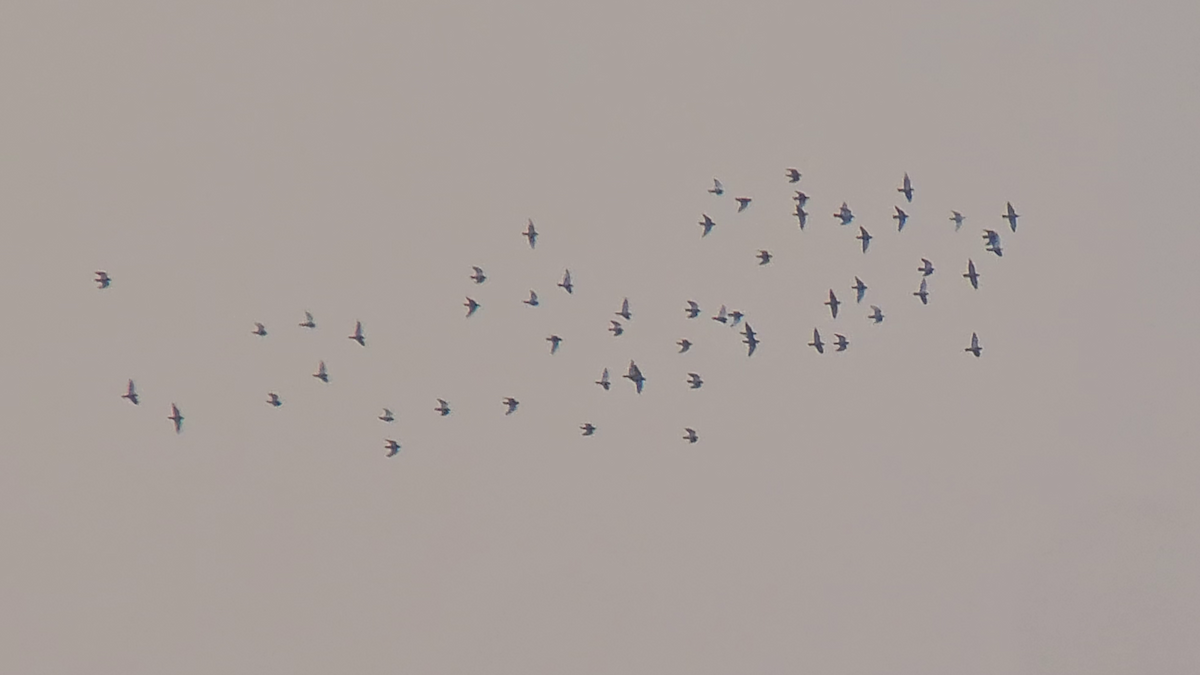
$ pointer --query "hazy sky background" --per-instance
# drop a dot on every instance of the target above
(901, 507)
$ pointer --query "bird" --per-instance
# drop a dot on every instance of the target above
(259, 329)
(358, 334)
(958, 219)
(177, 418)
(993, 242)
(764, 257)
(690, 436)
(102, 279)
(841, 342)
(751, 340)
(859, 288)
(800, 198)
(975, 348)
(635, 376)
(876, 314)
(392, 447)
(624, 313)
(684, 345)
(721, 315)
(471, 306)
(717, 188)
(1011, 217)
(736, 317)
(588, 428)
(801, 215)
(907, 188)
(816, 342)
(478, 277)
(554, 341)
(926, 267)
(743, 202)
(901, 218)
(308, 321)
(566, 284)
(531, 234)
(923, 293)
(692, 310)
(387, 416)
(694, 381)
(844, 214)
(511, 403)
(707, 224)
(131, 393)
(616, 328)
(532, 301)
(443, 408)
(833, 303)
(321, 373)
(971, 274)
(865, 237)
(273, 399)
(603, 381)
(793, 176)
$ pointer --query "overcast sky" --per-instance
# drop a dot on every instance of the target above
(898, 507)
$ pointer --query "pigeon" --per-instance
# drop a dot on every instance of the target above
(844, 214)
(692, 310)
(478, 277)
(901, 218)
(859, 288)
(273, 399)
(833, 303)
(975, 348)
(635, 376)
(387, 416)
(971, 274)
(876, 314)
(616, 328)
(392, 447)
(800, 198)
(958, 219)
(707, 224)
(717, 188)
(907, 188)
(743, 202)
(259, 329)
(926, 267)
(694, 381)
(131, 393)
(793, 176)
(554, 341)
(865, 237)
(816, 342)
(764, 257)
(511, 403)
(801, 215)
(841, 342)
(308, 321)
(993, 242)
(603, 381)
(690, 436)
(684, 345)
(443, 408)
(566, 284)
(177, 418)
(531, 234)
(721, 315)
(1011, 217)
(321, 374)
(102, 279)
(532, 301)
(358, 334)
(736, 317)
(588, 428)
(624, 313)
(923, 293)
(751, 340)
(471, 306)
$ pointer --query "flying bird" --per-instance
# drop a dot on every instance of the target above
(801, 216)
(177, 418)
(554, 341)
(131, 393)
(907, 188)
(478, 277)
(800, 198)
(971, 274)
(743, 202)
(588, 428)
(603, 381)
(471, 306)
(532, 301)
(387, 416)
(635, 375)
(764, 257)
(273, 399)
(531, 234)
(721, 315)
(876, 314)
(859, 288)
(392, 447)
(833, 303)
(923, 293)
(690, 436)
(616, 328)
(816, 342)
(958, 219)
(901, 218)
(684, 345)
(736, 317)
(443, 408)
(511, 403)
(694, 381)
(926, 267)
(566, 284)
(692, 310)
(844, 214)
(1011, 217)
(993, 242)
(793, 176)
(717, 188)
(624, 313)
(841, 342)
(751, 340)
(358, 334)
(707, 224)
(865, 237)
(321, 374)
(259, 329)
(975, 348)
(308, 321)
(102, 279)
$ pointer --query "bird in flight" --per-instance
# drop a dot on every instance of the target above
(721, 315)
(694, 381)
(923, 293)
(511, 403)
(865, 237)
(993, 242)
(833, 303)
(926, 267)
(321, 373)
(443, 408)
(958, 219)
(684, 345)
(273, 399)
(800, 198)
(624, 313)
(588, 428)
(743, 202)
(392, 447)
(816, 342)
(901, 218)
(566, 284)
(358, 334)
(707, 224)
(793, 176)
(387, 416)
(532, 301)
(308, 321)
(1011, 216)
(471, 306)
(478, 277)
(971, 274)
(751, 340)
(736, 318)
(635, 375)
(554, 341)
(717, 188)
(692, 310)
(690, 436)
(801, 215)
(876, 314)
(907, 188)
(102, 279)
(616, 328)
(975, 348)
(764, 257)
(131, 393)
(844, 214)
(177, 418)
(859, 288)
(603, 381)
(259, 329)
(531, 234)
(841, 342)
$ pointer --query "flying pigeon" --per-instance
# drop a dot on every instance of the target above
(259, 329)
(907, 188)
(743, 202)
(392, 447)
(471, 306)
(387, 416)
(993, 242)
(131, 393)
(321, 374)
(923, 293)
(478, 277)
(684, 345)
(865, 237)
(1011, 217)
(721, 315)
(971, 274)
(801, 215)
(635, 375)
(975, 348)
(833, 303)
(554, 341)
(751, 340)
(876, 314)
(531, 234)
(844, 214)
(693, 310)
(358, 334)
(532, 301)
(690, 436)
(816, 342)
(793, 176)
(566, 284)
(588, 428)
(308, 321)
(616, 328)
(736, 317)
(841, 342)
(859, 288)
(694, 381)
(443, 408)
(958, 219)
(603, 381)
(273, 399)
(624, 313)
(177, 418)
(717, 188)
(707, 224)
(901, 218)
(926, 267)
(511, 404)
(102, 279)
(764, 257)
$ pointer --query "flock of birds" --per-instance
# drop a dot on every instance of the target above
(692, 310)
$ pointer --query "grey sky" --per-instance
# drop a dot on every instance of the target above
(899, 507)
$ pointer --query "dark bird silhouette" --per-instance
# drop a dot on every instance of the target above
(616, 328)
(692, 310)
(624, 313)
(801, 216)
(358, 334)
(800, 198)
(971, 274)
(793, 176)
(901, 218)
(721, 316)
(321, 373)
(635, 376)
(532, 301)
(876, 314)
(588, 428)
(844, 214)
(707, 224)
(478, 277)
(907, 188)
(177, 418)
(690, 436)
(604, 381)
(751, 340)
(958, 219)
(273, 399)
(443, 408)
(1011, 216)
(926, 267)
(511, 403)
(387, 416)
(471, 306)
(308, 321)
(816, 342)
(743, 202)
(923, 292)
(717, 188)
(841, 342)
(865, 237)
(859, 288)
(554, 341)
(764, 257)
(684, 345)
(392, 447)
(694, 381)
(833, 303)
(259, 329)
(566, 284)
(975, 348)
(993, 242)
(131, 393)
(531, 234)
(102, 279)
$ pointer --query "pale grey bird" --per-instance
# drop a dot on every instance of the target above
(693, 310)
(511, 403)
(588, 428)
(532, 301)
(975, 348)
(833, 303)
(259, 329)
(690, 436)
(604, 381)
(958, 219)
(478, 277)
(816, 342)
(764, 257)
(566, 284)
(901, 218)
(721, 315)
(102, 279)
(308, 321)
(624, 313)
(616, 328)
(531, 234)
(876, 314)
(926, 267)
(751, 340)
(443, 408)
(907, 188)
(387, 416)
(694, 381)
(707, 224)
(923, 293)
(841, 342)
(684, 345)
(392, 447)
(793, 176)
(554, 341)
(358, 334)
(865, 237)
(321, 373)
(471, 306)
(743, 202)
(635, 375)
(717, 188)
(273, 399)
(971, 274)
(177, 418)
(859, 288)
(131, 393)
(844, 214)
(1011, 216)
